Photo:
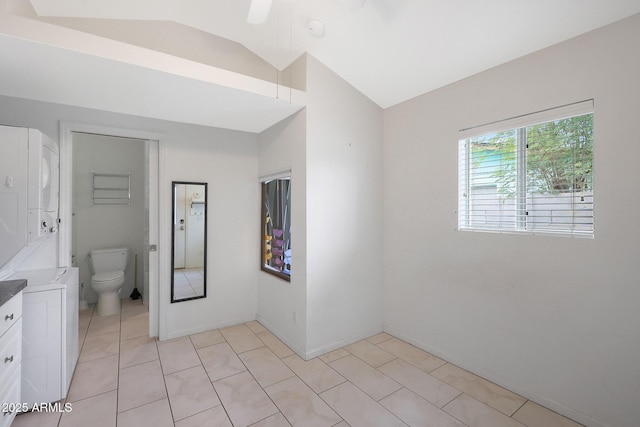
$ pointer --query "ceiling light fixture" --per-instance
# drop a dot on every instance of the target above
(259, 11)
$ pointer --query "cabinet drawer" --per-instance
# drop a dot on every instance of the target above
(10, 312)
(10, 351)
(10, 400)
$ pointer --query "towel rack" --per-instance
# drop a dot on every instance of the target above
(111, 189)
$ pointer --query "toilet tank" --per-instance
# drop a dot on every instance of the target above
(108, 259)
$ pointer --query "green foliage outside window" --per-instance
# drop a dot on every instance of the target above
(559, 156)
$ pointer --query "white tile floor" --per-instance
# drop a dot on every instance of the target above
(244, 376)
(188, 282)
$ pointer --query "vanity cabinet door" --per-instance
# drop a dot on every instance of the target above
(41, 347)
(10, 358)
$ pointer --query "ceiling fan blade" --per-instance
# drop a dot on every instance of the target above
(259, 11)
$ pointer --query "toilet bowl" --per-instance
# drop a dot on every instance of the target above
(108, 284)
(108, 266)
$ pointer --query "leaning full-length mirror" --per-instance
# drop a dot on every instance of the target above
(189, 237)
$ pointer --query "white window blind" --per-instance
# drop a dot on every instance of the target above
(529, 174)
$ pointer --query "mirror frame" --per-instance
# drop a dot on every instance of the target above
(173, 238)
(267, 241)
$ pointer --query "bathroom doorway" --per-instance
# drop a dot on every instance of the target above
(109, 190)
(109, 206)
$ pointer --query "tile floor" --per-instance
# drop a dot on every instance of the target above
(188, 282)
(244, 376)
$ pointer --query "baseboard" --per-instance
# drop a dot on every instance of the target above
(528, 394)
(307, 355)
(319, 351)
(281, 336)
(204, 328)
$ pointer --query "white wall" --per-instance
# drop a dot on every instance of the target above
(282, 305)
(553, 318)
(344, 216)
(334, 149)
(102, 226)
(228, 160)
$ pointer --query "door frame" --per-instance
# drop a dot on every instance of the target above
(154, 171)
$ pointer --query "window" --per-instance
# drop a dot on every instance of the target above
(531, 174)
(276, 219)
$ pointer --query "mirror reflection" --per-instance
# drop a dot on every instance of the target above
(189, 254)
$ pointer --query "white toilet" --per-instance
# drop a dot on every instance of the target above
(107, 267)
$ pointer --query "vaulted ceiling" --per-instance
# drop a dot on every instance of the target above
(390, 50)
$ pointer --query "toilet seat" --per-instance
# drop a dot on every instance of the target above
(107, 277)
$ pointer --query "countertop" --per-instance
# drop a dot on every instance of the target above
(46, 279)
(9, 289)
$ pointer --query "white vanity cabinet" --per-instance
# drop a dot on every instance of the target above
(49, 335)
(42, 346)
(10, 358)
